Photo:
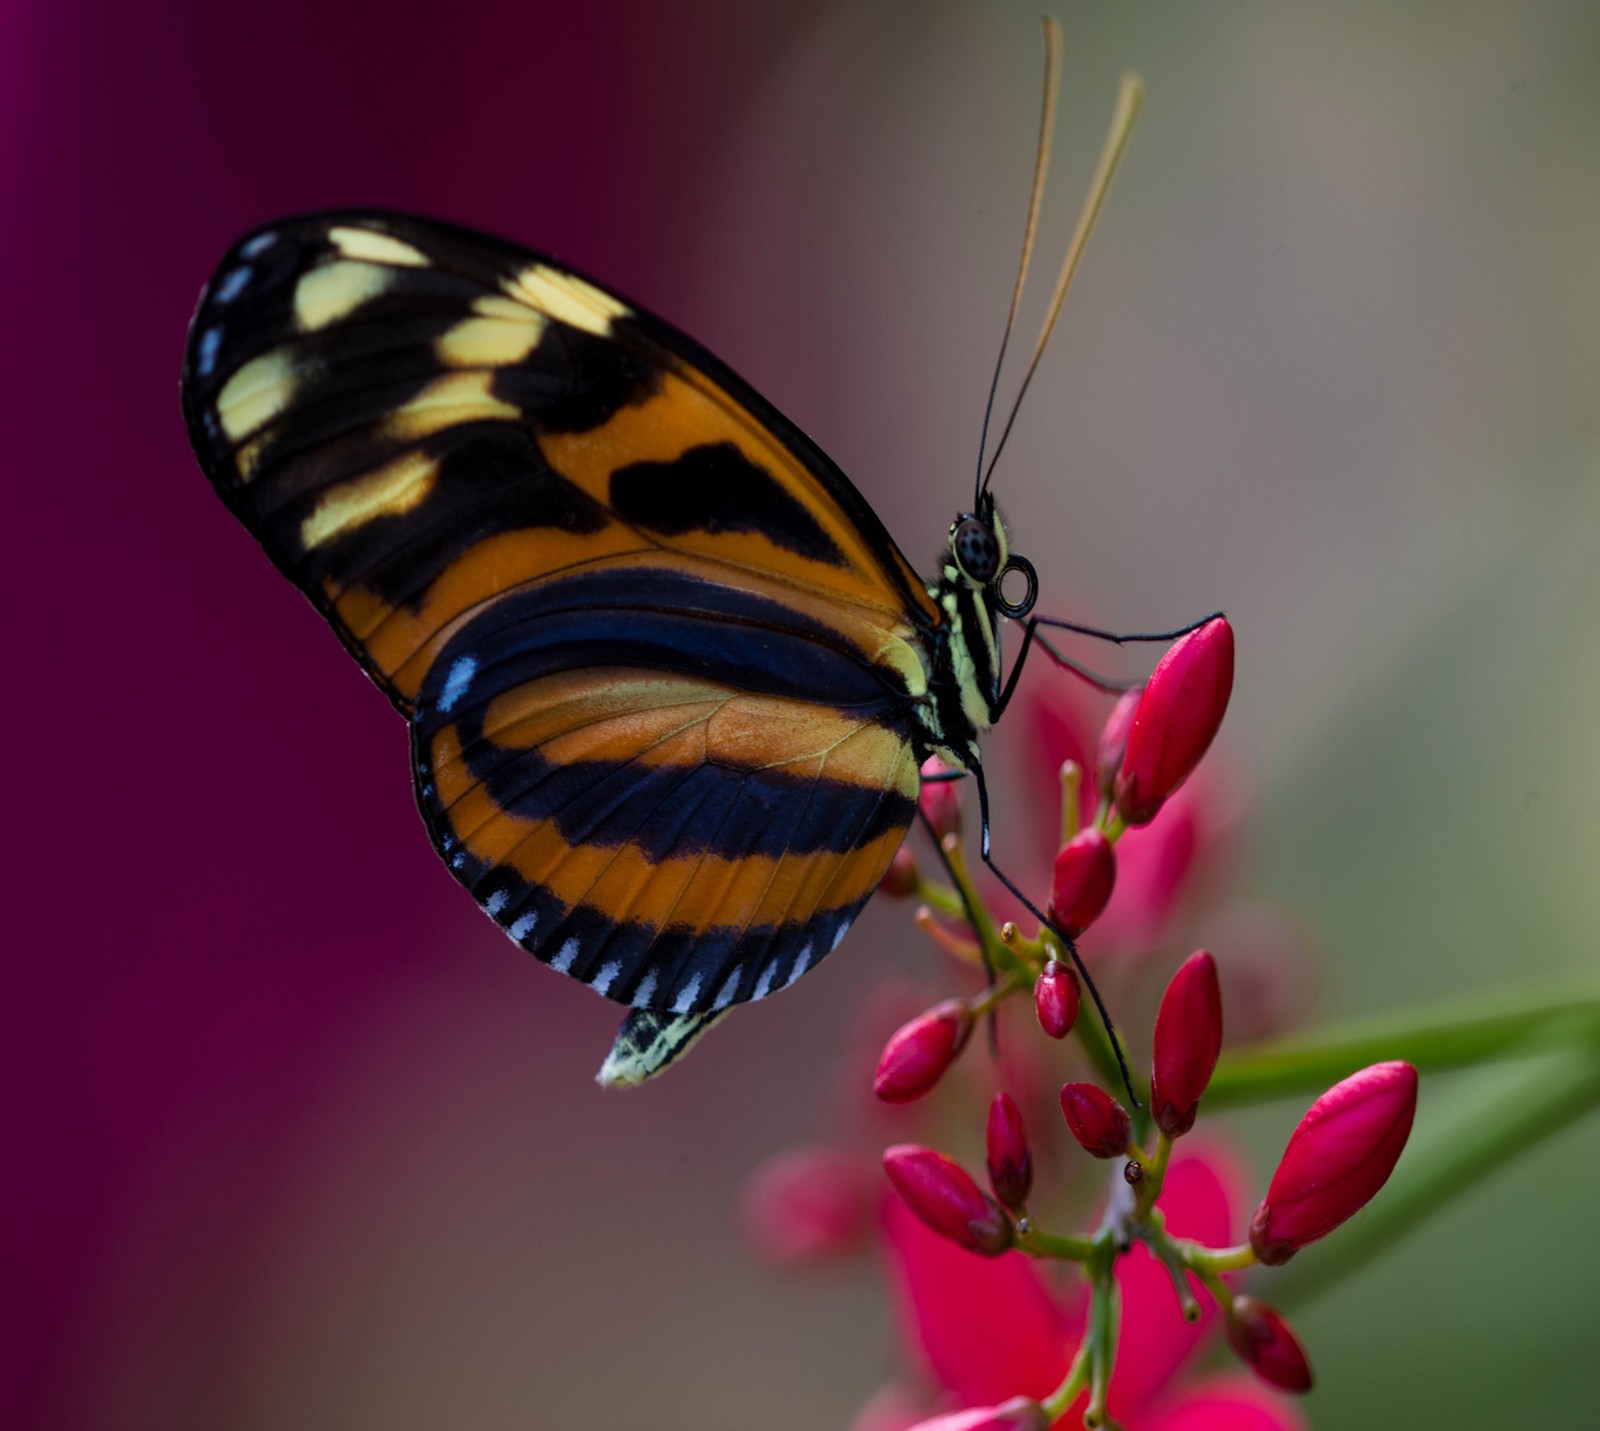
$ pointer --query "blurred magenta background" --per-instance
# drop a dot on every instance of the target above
(293, 1138)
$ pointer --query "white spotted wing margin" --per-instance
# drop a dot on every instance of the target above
(647, 1042)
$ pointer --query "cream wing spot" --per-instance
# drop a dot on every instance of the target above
(499, 334)
(370, 246)
(567, 299)
(256, 394)
(452, 399)
(387, 491)
(333, 291)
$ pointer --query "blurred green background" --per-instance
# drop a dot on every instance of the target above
(1331, 364)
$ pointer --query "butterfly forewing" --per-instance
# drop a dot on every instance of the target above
(413, 418)
(660, 658)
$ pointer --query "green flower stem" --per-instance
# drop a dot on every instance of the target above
(940, 897)
(999, 955)
(1221, 1293)
(1048, 1244)
(1155, 1170)
(1103, 1318)
(1209, 1261)
(1447, 1037)
(1056, 1403)
(1071, 783)
(1168, 1251)
(1540, 1103)
(996, 994)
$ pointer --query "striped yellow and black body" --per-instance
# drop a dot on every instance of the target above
(668, 679)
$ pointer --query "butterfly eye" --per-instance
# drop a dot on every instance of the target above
(977, 551)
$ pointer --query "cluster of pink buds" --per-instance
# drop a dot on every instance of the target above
(1341, 1153)
(1150, 745)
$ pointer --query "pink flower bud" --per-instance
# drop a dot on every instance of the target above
(1176, 720)
(1114, 742)
(943, 1196)
(941, 799)
(1341, 1154)
(1097, 1120)
(1010, 1165)
(900, 879)
(808, 1203)
(1055, 998)
(1086, 869)
(1019, 1414)
(1264, 1342)
(918, 1053)
(1188, 1039)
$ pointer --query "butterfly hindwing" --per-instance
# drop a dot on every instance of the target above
(662, 662)
(671, 840)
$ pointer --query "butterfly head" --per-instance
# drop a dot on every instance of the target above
(982, 558)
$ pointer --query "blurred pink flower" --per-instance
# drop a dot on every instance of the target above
(806, 1204)
(985, 1330)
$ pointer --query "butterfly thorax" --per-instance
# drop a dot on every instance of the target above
(965, 684)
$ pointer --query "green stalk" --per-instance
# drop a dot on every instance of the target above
(1103, 1319)
(1452, 1036)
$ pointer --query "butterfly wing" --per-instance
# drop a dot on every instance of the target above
(413, 418)
(672, 840)
(660, 658)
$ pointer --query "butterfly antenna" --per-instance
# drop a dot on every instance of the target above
(1041, 167)
(1130, 96)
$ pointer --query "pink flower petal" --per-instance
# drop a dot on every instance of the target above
(1063, 723)
(891, 1408)
(1227, 1403)
(986, 1328)
(1153, 867)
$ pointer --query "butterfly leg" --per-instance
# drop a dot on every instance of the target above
(1123, 638)
(1032, 635)
(1067, 944)
(961, 889)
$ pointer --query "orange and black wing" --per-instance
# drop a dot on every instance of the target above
(661, 661)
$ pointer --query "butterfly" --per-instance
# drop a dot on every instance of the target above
(669, 682)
